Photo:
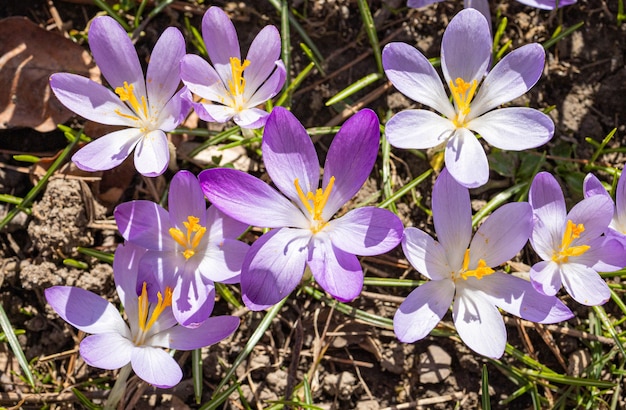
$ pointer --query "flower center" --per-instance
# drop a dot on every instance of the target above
(572, 232)
(462, 93)
(238, 83)
(481, 270)
(127, 95)
(145, 322)
(191, 239)
(315, 203)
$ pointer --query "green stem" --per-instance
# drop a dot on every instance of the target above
(117, 392)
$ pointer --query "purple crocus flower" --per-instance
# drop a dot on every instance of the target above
(147, 108)
(572, 244)
(113, 344)
(234, 87)
(539, 4)
(460, 269)
(305, 234)
(189, 248)
(592, 186)
(465, 58)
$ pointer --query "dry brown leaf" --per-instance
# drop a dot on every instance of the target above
(28, 56)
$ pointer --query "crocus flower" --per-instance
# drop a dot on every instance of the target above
(147, 108)
(480, 5)
(592, 186)
(462, 269)
(539, 4)
(465, 58)
(113, 344)
(571, 244)
(232, 88)
(189, 248)
(305, 234)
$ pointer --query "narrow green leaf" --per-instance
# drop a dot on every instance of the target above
(228, 296)
(555, 39)
(75, 264)
(370, 30)
(495, 202)
(354, 87)
(196, 372)
(103, 256)
(485, 398)
(15, 346)
(406, 189)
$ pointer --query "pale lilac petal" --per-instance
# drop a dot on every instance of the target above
(518, 297)
(216, 112)
(152, 154)
(366, 231)
(358, 139)
(466, 159)
(185, 199)
(421, 3)
(220, 39)
(619, 222)
(418, 129)
(547, 4)
(270, 87)
(115, 54)
(546, 277)
(108, 351)
(479, 323)
(222, 261)
(546, 198)
(251, 118)
(422, 310)
(502, 235)
(289, 154)
(595, 213)
(202, 79)
(163, 74)
(89, 99)
(249, 200)
(174, 111)
(426, 255)
(605, 254)
(337, 272)
(160, 270)
(414, 76)
(592, 186)
(513, 76)
(108, 151)
(263, 53)
(125, 274)
(466, 47)
(156, 367)
(144, 223)
(85, 310)
(514, 128)
(192, 298)
(220, 225)
(211, 331)
(584, 284)
(482, 6)
(452, 217)
(274, 267)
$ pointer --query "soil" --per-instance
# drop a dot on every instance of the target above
(348, 364)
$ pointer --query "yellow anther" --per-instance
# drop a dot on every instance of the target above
(481, 270)
(144, 307)
(238, 83)
(192, 238)
(462, 93)
(315, 203)
(572, 232)
(127, 94)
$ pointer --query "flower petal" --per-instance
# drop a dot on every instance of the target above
(250, 118)
(592, 186)
(202, 79)
(163, 74)
(425, 254)
(479, 323)
(192, 299)
(595, 213)
(414, 76)
(273, 267)
(125, 273)
(452, 217)
(422, 310)
(211, 331)
(513, 76)
(249, 200)
(85, 310)
(584, 284)
(502, 235)
(108, 351)
(421, 3)
(270, 87)
(358, 139)
(115, 54)
(144, 223)
(545, 277)
(337, 272)
(466, 160)
(108, 151)
(220, 38)
(156, 367)
(263, 53)
(289, 154)
(219, 225)
(547, 4)
(366, 231)
(418, 129)
(518, 297)
(546, 198)
(222, 261)
(466, 47)
(185, 199)
(152, 154)
(514, 129)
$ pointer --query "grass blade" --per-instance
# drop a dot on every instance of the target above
(15, 346)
